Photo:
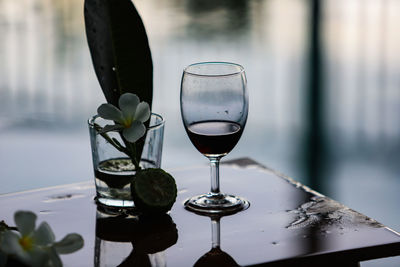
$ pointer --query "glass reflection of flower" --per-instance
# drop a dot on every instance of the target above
(133, 240)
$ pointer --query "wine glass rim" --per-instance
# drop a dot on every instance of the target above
(187, 69)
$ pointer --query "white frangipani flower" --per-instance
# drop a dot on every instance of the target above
(129, 118)
(37, 247)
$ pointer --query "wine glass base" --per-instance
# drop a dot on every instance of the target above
(221, 204)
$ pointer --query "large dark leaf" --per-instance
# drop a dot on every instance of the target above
(119, 48)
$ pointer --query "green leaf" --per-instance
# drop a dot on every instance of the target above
(132, 56)
(119, 48)
(100, 45)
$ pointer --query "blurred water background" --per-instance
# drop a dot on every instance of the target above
(48, 89)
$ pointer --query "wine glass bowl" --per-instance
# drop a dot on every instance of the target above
(214, 108)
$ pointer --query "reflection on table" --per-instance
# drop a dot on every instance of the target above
(216, 257)
(287, 224)
(132, 240)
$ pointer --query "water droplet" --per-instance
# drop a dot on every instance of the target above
(62, 197)
(274, 243)
(227, 111)
(113, 68)
(45, 212)
(183, 190)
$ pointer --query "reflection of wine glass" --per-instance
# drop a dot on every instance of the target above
(214, 107)
(215, 257)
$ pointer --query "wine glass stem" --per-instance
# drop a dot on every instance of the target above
(215, 233)
(215, 176)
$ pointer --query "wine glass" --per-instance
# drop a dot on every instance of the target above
(214, 107)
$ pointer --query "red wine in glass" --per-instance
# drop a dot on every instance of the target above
(214, 138)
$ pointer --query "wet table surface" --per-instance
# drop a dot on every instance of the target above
(287, 224)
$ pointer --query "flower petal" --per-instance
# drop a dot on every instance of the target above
(142, 112)
(128, 103)
(43, 235)
(38, 257)
(10, 245)
(25, 221)
(109, 128)
(133, 133)
(10, 242)
(3, 258)
(110, 112)
(54, 258)
(70, 243)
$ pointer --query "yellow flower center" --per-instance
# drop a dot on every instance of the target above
(128, 122)
(26, 242)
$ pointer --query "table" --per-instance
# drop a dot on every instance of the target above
(287, 224)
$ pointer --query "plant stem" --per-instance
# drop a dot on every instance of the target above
(132, 149)
(4, 226)
(112, 141)
(129, 150)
